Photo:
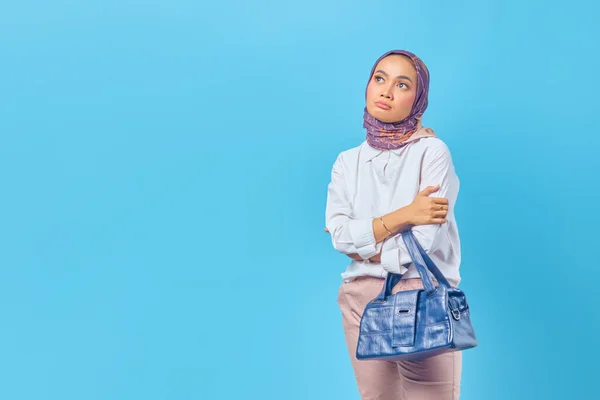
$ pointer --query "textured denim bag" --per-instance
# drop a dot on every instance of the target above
(419, 323)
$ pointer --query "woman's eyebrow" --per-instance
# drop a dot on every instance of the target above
(398, 77)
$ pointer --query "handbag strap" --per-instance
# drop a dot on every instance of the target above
(423, 264)
(409, 237)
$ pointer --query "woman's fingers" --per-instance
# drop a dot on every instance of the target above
(440, 214)
(439, 200)
(439, 207)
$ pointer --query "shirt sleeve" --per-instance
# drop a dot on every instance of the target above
(348, 235)
(437, 169)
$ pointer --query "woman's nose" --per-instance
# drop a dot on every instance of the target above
(386, 94)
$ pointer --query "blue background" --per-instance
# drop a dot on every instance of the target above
(164, 169)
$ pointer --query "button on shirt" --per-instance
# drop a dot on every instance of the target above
(367, 183)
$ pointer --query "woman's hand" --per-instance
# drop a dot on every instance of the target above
(425, 210)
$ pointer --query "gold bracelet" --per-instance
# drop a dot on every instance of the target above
(385, 227)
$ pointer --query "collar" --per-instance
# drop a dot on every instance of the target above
(369, 153)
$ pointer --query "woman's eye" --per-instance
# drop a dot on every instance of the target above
(378, 79)
(400, 85)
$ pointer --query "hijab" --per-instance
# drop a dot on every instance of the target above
(387, 136)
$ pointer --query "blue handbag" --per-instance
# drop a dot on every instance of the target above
(419, 323)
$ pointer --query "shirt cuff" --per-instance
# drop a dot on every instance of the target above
(390, 261)
(363, 237)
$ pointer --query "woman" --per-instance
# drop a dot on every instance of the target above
(379, 189)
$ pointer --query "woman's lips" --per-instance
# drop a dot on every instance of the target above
(383, 106)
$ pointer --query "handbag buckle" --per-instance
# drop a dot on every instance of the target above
(456, 314)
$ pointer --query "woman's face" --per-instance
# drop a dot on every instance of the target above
(392, 89)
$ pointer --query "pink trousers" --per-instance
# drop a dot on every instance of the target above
(434, 378)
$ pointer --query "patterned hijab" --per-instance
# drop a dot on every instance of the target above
(387, 136)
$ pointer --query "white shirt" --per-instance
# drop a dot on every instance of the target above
(367, 183)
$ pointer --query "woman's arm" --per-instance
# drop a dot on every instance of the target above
(423, 210)
(358, 237)
(349, 235)
(437, 169)
(396, 221)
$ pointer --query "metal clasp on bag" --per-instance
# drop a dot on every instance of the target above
(456, 314)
